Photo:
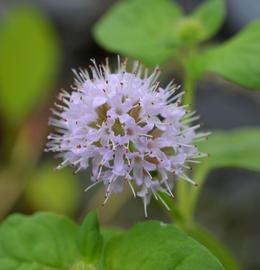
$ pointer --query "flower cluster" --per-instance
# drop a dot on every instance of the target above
(130, 129)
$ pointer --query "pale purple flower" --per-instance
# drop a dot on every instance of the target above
(128, 128)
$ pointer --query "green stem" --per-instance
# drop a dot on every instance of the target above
(199, 175)
(182, 194)
(188, 85)
(183, 187)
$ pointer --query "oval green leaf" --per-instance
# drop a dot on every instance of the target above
(142, 29)
(42, 241)
(237, 148)
(238, 59)
(51, 190)
(154, 245)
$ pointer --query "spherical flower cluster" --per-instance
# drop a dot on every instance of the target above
(131, 130)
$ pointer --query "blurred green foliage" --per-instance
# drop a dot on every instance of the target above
(29, 53)
(238, 148)
(162, 33)
(50, 190)
(237, 59)
(148, 34)
(158, 33)
(211, 15)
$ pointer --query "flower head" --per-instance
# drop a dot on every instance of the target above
(131, 130)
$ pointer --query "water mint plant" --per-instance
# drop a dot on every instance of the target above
(129, 128)
(158, 32)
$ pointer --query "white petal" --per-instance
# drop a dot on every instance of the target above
(98, 101)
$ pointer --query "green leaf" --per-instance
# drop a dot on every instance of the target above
(211, 15)
(90, 240)
(47, 241)
(155, 245)
(143, 29)
(109, 233)
(29, 58)
(237, 148)
(238, 59)
(40, 242)
(209, 241)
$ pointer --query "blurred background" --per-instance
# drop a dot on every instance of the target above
(40, 42)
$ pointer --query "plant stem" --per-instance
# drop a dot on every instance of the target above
(182, 194)
(189, 87)
(199, 175)
(183, 187)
